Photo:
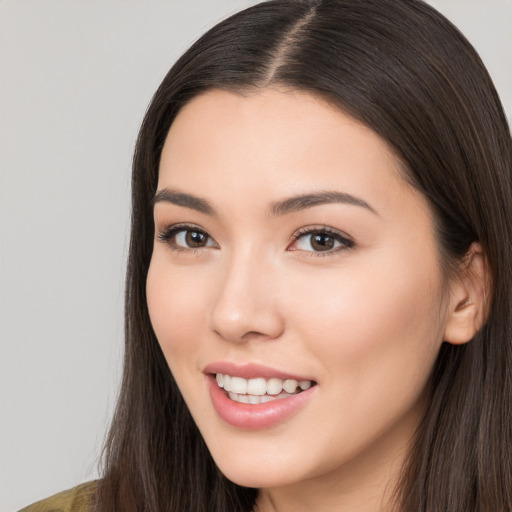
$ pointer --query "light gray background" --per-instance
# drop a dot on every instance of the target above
(75, 79)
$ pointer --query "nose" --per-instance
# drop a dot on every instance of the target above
(246, 305)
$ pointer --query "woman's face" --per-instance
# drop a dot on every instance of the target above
(289, 251)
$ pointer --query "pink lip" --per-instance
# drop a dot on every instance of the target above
(255, 416)
(250, 371)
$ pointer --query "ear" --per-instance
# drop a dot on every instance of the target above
(469, 294)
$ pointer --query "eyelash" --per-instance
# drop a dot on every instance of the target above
(346, 243)
(168, 233)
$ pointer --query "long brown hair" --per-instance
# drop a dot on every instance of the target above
(405, 71)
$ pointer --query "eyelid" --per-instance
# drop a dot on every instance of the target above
(340, 236)
(166, 234)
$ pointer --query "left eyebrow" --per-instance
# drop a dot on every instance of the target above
(302, 202)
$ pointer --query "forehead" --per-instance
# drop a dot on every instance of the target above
(276, 143)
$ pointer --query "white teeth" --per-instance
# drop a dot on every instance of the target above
(290, 385)
(274, 386)
(255, 399)
(256, 386)
(259, 390)
(237, 385)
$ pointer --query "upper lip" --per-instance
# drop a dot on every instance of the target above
(250, 371)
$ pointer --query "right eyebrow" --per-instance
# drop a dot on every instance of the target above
(186, 200)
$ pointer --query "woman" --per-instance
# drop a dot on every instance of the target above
(319, 282)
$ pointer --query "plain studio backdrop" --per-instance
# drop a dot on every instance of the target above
(75, 80)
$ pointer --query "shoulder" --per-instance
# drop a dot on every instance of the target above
(77, 499)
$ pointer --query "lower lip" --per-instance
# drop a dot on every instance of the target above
(255, 416)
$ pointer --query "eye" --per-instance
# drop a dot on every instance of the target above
(320, 240)
(186, 238)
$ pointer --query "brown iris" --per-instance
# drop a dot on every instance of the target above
(321, 242)
(196, 239)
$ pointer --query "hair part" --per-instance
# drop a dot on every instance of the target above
(402, 69)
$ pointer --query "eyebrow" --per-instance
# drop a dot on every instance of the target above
(186, 200)
(286, 206)
(302, 202)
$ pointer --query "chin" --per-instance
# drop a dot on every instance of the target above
(262, 466)
(257, 477)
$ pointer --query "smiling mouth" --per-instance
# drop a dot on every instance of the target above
(260, 390)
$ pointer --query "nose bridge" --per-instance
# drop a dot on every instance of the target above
(245, 306)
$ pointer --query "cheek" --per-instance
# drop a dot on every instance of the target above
(175, 307)
(375, 326)
(374, 340)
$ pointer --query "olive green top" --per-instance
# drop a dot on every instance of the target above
(78, 499)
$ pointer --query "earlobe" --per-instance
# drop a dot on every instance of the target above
(469, 294)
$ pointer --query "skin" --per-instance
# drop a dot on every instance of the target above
(365, 322)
